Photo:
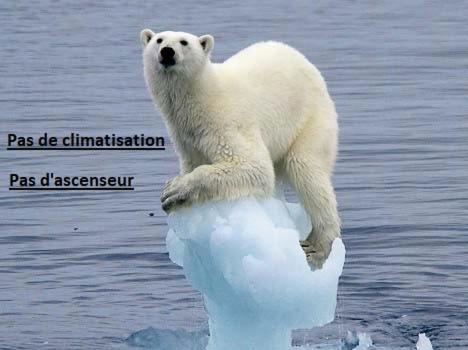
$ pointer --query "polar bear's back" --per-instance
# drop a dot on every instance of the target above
(273, 59)
(280, 88)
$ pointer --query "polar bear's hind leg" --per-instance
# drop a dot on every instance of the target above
(308, 166)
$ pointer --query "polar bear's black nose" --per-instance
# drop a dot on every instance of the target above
(167, 53)
(167, 56)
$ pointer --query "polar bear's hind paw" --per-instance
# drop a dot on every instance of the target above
(315, 254)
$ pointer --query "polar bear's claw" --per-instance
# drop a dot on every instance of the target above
(175, 194)
(173, 202)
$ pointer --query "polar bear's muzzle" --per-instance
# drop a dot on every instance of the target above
(167, 56)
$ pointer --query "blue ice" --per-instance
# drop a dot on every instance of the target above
(245, 258)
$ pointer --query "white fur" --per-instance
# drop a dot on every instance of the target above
(263, 112)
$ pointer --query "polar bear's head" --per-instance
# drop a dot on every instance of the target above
(175, 52)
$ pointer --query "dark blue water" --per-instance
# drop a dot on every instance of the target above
(83, 270)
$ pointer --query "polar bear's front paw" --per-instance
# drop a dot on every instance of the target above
(176, 194)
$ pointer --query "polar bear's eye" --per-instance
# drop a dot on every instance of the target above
(159, 41)
(184, 42)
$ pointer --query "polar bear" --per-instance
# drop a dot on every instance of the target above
(262, 115)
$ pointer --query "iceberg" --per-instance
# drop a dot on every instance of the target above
(244, 257)
(166, 339)
(163, 339)
(423, 342)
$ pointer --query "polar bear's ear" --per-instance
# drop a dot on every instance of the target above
(206, 42)
(145, 36)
